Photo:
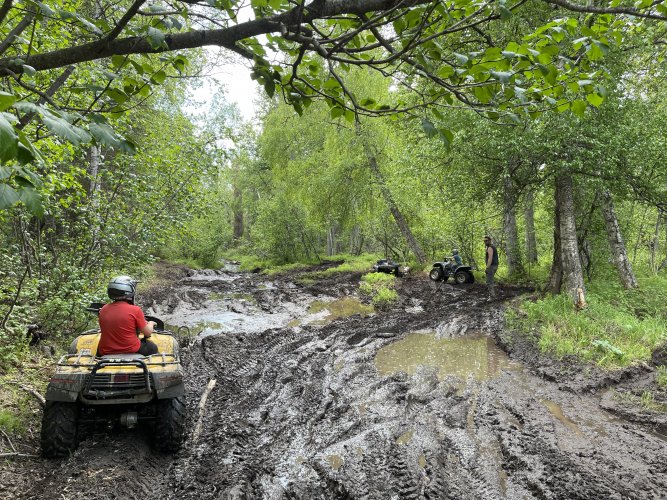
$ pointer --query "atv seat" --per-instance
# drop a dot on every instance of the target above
(125, 357)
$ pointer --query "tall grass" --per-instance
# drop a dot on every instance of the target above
(619, 327)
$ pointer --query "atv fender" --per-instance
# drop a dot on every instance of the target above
(65, 387)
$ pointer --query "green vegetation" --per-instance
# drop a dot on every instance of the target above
(380, 287)
(661, 378)
(544, 129)
(616, 329)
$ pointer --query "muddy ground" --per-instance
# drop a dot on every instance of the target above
(431, 399)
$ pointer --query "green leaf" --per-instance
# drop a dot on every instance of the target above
(29, 70)
(159, 77)
(118, 61)
(103, 134)
(579, 107)
(62, 128)
(461, 58)
(5, 172)
(32, 200)
(337, 111)
(6, 100)
(117, 95)
(155, 37)
(270, 87)
(595, 99)
(8, 196)
(429, 128)
(8, 141)
(349, 115)
(505, 13)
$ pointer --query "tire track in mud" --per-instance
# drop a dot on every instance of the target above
(303, 413)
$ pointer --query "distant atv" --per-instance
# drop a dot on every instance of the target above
(121, 388)
(387, 266)
(443, 270)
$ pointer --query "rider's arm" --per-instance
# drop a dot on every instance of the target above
(489, 256)
(148, 329)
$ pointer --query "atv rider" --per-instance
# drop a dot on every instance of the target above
(457, 258)
(121, 321)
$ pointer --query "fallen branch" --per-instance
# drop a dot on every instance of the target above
(16, 454)
(11, 445)
(32, 391)
(202, 404)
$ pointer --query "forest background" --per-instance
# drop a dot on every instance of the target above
(393, 129)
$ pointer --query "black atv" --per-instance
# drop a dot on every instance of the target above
(443, 270)
(387, 266)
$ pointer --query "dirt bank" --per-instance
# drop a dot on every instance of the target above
(414, 402)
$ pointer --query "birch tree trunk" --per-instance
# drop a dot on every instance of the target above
(573, 278)
(529, 217)
(238, 222)
(556, 273)
(94, 160)
(389, 200)
(512, 248)
(616, 243)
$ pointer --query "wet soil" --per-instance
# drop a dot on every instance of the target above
(431, 399)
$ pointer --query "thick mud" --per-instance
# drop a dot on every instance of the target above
(291, 398)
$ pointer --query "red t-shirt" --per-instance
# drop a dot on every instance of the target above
(119, 322)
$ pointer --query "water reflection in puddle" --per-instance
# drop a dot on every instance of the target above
(335, 461)
(557, 412)
(322, 312)
(473, 355)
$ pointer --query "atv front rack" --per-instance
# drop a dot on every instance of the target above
(159, 359)
(117, 385)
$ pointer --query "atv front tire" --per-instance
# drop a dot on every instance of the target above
(435, 274)
(59, 434)
(169, 424)
(471, 277)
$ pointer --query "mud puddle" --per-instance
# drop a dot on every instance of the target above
(404, 403)
(473, 355)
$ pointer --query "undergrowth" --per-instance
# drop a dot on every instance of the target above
(380, 287)
(619, 327)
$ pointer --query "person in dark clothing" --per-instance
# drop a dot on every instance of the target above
(491, 260)
(457, 257)
(121, 322)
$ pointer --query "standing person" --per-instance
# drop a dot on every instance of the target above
(121, 321)
(491, 260)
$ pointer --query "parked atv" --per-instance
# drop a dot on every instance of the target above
(115, 388)
(387, 266)
(443, 270)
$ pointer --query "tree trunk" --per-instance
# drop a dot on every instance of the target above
(573, 277)
(331, 240)
(94, 158)
(356, 240)
(616, 243)
(556, 274)
(529, 216)
(393, 208)
(238, 225)
(512, 248)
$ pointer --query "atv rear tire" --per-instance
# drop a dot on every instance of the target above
(169, 424)
(435, 274)
(59, 434)
(461, 277)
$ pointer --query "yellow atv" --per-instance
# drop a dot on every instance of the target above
(121, 388)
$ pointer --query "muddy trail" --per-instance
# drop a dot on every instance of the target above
(299, 391)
